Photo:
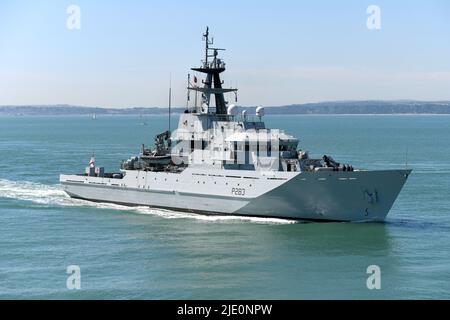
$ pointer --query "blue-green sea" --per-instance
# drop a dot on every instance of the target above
(143, 253)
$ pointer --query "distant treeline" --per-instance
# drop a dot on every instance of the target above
(339, 107)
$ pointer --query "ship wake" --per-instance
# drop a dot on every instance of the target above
(54, 195)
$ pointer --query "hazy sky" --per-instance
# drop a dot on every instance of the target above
(278, 52)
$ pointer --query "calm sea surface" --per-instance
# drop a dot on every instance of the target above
(142, 253)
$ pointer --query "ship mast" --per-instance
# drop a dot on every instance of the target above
(213, 83)
(170, 98)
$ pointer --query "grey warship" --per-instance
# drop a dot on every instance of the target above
(224, 162)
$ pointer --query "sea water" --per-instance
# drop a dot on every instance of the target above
(145, 253)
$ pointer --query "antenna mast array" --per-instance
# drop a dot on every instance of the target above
(213, 84)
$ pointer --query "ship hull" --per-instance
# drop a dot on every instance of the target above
(335, 196)
(320, 196)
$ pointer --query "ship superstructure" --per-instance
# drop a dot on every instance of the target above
(221, 161)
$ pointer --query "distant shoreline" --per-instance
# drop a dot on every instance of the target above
(2, 115)
(371, 107)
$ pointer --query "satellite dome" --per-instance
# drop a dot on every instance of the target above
(260, 111)
(231, 110)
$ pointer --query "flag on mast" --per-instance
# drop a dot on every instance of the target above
(92, 162)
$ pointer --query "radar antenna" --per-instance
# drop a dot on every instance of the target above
(212, 83)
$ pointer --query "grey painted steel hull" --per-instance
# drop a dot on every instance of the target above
(336, 196)
(325, 196)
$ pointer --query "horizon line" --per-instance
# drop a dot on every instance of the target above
(248, 106)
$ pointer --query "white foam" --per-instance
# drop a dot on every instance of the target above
(29, 191)
(55, 195)
(169, 214)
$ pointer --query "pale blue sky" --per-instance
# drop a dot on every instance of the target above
(278, 52)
